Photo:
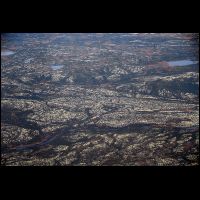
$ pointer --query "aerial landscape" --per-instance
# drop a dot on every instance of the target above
(99, 99)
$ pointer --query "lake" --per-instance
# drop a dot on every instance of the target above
(7, 53)
(55, 67)
(181, 63)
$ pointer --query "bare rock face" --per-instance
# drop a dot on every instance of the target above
(118, 103)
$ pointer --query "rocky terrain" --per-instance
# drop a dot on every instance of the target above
(99, 99)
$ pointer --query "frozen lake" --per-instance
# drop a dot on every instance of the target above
(55, 67)
(7, 53)
(181, 63)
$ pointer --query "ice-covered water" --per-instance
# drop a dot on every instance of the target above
(7, 53)
(55, 67)
(181, 63)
